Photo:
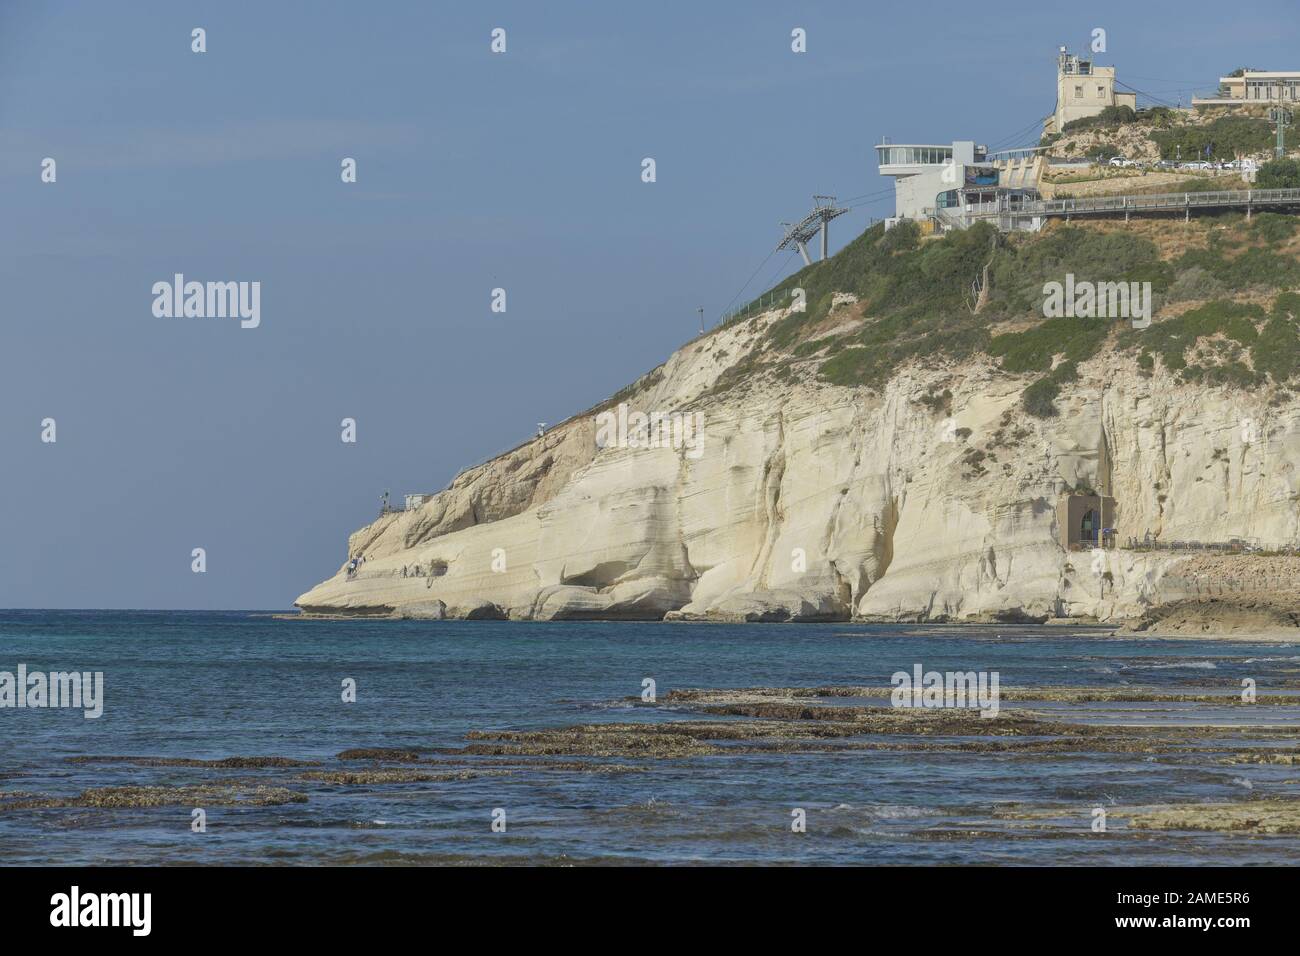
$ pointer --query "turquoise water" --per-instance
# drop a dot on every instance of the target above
(213, 685)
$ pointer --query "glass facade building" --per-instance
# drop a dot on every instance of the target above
(914, 155)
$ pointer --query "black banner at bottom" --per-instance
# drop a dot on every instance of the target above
(212, 905)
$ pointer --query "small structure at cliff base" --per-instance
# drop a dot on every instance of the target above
(1081, 519)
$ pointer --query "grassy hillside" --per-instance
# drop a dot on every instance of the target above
(1218, 314)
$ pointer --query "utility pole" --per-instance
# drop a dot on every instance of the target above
(1281, 116)
(701, 311)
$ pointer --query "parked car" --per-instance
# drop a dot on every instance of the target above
(1118, 161)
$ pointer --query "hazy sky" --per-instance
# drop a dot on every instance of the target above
(475, 170)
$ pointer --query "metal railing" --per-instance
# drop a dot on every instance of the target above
(943, 217)
(1154, 202)
(1208, 586)
(1231, 546)
(764, 303)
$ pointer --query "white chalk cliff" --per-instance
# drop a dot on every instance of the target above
(816, 502)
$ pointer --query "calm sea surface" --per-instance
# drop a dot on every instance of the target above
(210, 685)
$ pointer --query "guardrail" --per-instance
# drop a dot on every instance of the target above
(945, 218)
(1207, 587)
(1152, 202)
(1237, 546)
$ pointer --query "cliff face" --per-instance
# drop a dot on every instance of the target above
(808, 501)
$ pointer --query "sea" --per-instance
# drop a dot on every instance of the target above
(184, 688)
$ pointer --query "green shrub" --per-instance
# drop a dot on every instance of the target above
(1171, 338)
(1197, 184)
(1034, 349)
(1039, 399)
(1110, 116)
(1159, 274)
(1230, 374)
(1221, 138)
(1020, 271)
(854, 366)
(1157, 116)
(1287, 303)
(1278, 174)
(1261, 267)
(1195, 283)
(937, 401)
(1254, 267)
(1274, 228)
(804, 349)
(1277, 353)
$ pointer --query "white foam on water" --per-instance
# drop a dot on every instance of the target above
(1182, 665)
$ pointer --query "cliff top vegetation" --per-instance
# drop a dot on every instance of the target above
(1223, 304)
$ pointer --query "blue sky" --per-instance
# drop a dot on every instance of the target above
(475, 171)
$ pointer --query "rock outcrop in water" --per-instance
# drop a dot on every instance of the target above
(931, 497)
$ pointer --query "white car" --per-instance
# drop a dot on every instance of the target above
(1118, 161)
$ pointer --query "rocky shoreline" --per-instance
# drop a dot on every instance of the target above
(755, 721)
(1245, 618)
